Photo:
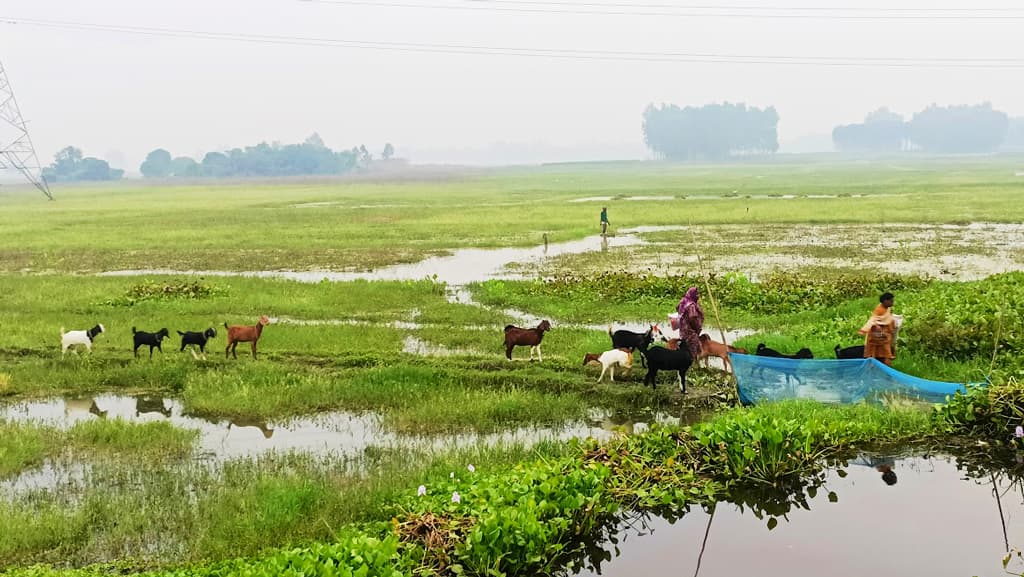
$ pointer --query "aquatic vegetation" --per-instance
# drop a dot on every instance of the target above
(994, 412)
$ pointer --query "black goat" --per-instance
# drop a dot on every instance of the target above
(142, 338)
(623, 339)
(856, 352)
(663, 359)
(197, 339)
(763, 351)
(804, 353)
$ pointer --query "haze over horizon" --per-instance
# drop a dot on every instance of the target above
(88, 75)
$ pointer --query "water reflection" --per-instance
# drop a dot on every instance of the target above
(946, 516)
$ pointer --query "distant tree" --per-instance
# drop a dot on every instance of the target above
(954, 129)
(389, 151)
(314, 141)
(365, 158)
(157, 164)
(216, 164)
(714, 131)
(1015, 134)
(882, 131)
(68, 166)
(185, 167)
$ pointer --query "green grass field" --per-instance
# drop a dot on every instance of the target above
(148, 500)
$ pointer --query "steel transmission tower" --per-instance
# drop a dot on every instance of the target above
(19, 153)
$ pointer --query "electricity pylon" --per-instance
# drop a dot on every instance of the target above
(19, 153)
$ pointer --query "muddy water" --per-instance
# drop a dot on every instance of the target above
(931, 522)
(337, 432)
(461, 267)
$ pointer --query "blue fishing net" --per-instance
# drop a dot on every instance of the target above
(762, 379)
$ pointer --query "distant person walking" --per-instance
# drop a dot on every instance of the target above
(604, 220)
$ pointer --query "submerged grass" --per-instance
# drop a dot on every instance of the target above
(23, 446)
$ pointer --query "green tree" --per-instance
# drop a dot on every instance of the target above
(157, 164)
(185, 167)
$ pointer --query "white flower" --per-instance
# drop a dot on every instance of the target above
(421, 491)
(471, 468)
(451, 475)
(455, 497)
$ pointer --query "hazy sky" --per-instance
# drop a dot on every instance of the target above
(111, 93)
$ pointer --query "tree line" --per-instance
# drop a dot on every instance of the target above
(710, 132)
(311, 157)
(69, 165)
(937, 129)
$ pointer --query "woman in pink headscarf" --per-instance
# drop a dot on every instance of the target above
(691, 321)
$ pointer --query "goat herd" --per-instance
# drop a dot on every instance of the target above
(198, 340)
(671, 357)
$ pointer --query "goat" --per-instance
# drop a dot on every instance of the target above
(197, 339)
(244, 334)
(84, 338)
(663, 359)
(855, 352)
(711, 348)
(623, 339)
(763, 351)
(142, 338)
(608, 360)
(803, 353)
(516, 336)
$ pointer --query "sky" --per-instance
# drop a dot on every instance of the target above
(119, 95)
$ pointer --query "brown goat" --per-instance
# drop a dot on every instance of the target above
(515, 336)
(710, 348)
(244, 334)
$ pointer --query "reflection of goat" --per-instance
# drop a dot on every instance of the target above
(261, 425)
(516, 336)
(72, 406)
(147, 404)
(244, 334)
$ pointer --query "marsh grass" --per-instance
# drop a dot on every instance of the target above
(114, 437)
(23, 446)
(147, 514)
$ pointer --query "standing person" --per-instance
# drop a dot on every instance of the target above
(879, 332)
(604, 220)
(691, 321)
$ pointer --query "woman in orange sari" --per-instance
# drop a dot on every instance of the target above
(879, 332)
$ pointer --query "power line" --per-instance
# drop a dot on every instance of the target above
(700, 11)
(553, 53)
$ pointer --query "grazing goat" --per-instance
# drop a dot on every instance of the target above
(608, 360)
(84, 338)
(623, 339)
(803, 353)
(142, 338)
(516, 336)
(663, 359)
(711, 348)
(244, 334)
(855, 352)
(197, 339)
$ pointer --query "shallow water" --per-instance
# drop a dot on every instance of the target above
(462, 267)
(339, 433)
(931, 522)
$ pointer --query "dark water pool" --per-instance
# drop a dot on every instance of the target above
(934, 521)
